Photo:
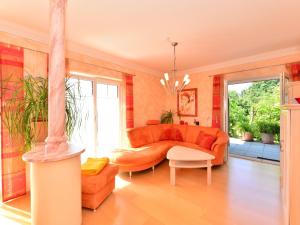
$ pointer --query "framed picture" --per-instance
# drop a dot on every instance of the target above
(187, 102)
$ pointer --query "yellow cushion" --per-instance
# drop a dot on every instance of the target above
(93, 166)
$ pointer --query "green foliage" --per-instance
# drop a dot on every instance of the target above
(268, 127)
(245, 127)
(22, 114)
(259, 103)
(167, 117)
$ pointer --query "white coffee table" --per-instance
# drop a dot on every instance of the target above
(184, 157)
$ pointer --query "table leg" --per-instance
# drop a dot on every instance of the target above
(172, 175)
(208, 172)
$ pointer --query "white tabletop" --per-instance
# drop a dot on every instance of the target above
(181, 153)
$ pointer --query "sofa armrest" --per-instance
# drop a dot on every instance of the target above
(219, 147)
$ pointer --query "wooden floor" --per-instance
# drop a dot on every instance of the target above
(242, 192)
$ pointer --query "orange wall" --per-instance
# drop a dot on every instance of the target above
(149, 98)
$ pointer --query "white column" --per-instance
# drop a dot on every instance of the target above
(55, 168)
(56, 140)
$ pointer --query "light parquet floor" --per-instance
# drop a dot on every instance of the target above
(242, 193)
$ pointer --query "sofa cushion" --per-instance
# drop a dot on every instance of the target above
(192, 133)
(152, 122)
(157, 130)
(210, 130)
(205, 140)
(138, 137)
(171, 134)
(182, 129)
(142, 155)
(93, 184)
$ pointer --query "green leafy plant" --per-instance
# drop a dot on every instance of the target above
(24, 112)
(167, 117)
(268, 127)
(245, 127)
(259, 102)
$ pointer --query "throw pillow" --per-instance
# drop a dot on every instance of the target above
(205, 140)
(171, 134)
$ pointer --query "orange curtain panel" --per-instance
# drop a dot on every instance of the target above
(129, 100)
(13, 168)
(217, 101)
(294, 71)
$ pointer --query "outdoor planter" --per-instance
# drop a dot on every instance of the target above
(247, 136)
(267, 138)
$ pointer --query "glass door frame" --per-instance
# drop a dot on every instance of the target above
(99, 80)
(228, 82)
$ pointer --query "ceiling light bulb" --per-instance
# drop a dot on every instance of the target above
(166, 76)
(162, 82)
(176, 83)
(186, 76)
(187, 81)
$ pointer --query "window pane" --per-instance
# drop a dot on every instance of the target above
(112, 91)
(101, 90)
(108, 118)
(84, 132)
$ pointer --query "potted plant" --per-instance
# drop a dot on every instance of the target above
(268, 130)
(167, 117)
(246, 130)
(27, 117)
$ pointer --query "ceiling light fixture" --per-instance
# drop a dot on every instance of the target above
(171, 83)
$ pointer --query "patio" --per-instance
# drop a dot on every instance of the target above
(255, 150)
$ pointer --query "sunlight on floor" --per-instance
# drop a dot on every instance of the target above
(121, 183)
(13, 216)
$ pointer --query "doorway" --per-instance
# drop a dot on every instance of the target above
(254, 119)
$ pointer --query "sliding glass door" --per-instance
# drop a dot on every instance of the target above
(99, 129)
(108, 116)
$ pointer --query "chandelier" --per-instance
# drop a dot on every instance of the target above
(171, 83)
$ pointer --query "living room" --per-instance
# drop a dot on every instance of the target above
(142, 101)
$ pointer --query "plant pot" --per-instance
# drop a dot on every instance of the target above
(181, 122)
(41, 131)
(267, 138)
(247, 136)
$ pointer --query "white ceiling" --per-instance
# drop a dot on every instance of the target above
(208, 31)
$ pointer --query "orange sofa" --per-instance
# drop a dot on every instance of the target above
(149, 145)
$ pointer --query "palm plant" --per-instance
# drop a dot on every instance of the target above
(167, 117)
(24, 112)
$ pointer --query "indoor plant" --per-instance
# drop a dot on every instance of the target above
(246, 130)
(167, 117)
(27, 116)
(268, 130)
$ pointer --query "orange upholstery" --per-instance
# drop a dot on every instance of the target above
(139, 136)
(96, 188)
(146, 149)
(205, 140)
(152, 122)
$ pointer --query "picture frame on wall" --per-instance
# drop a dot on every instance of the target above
(187, 102)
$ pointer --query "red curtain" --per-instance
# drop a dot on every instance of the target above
(129, 100)
(217, 100)
(295, 71)
(13, 168)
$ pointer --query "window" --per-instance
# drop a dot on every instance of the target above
(99, 129)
